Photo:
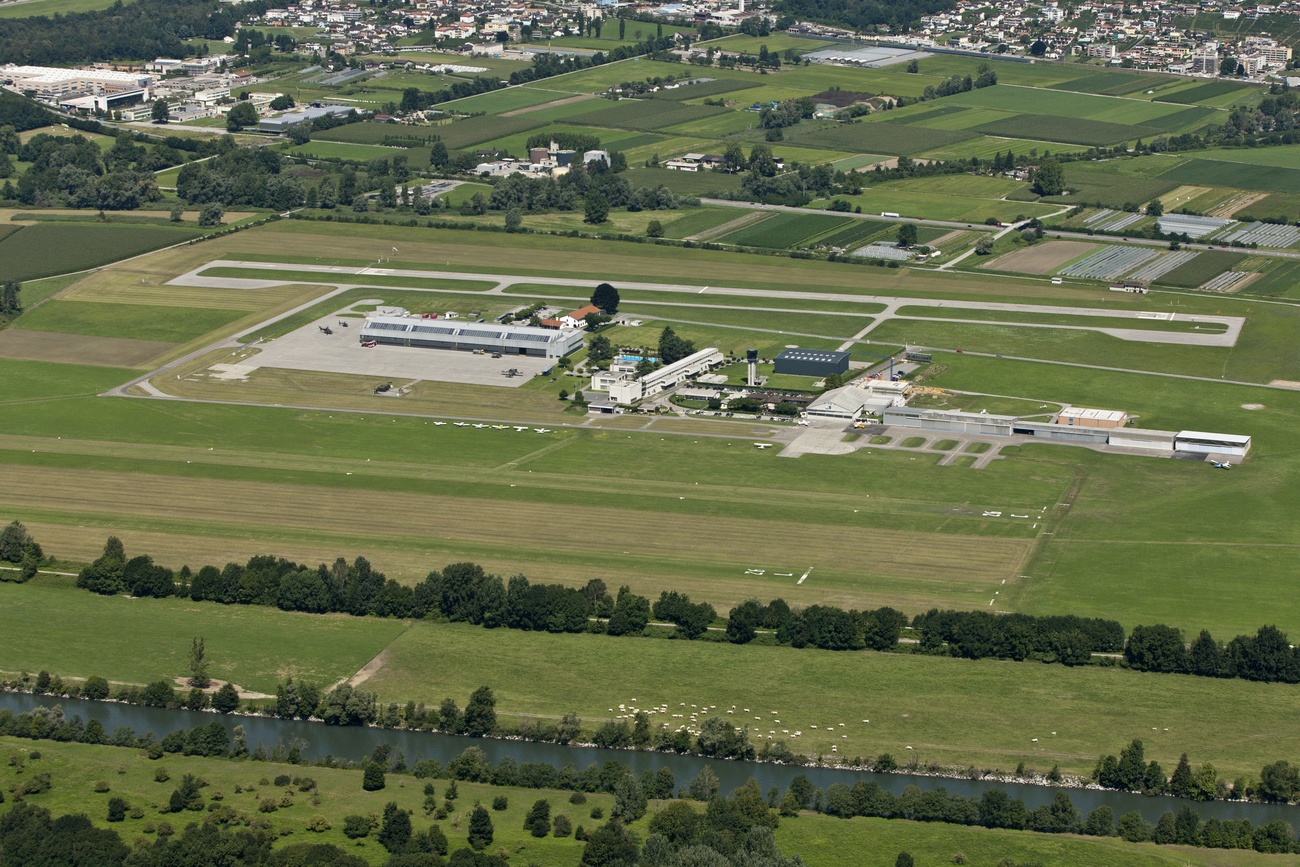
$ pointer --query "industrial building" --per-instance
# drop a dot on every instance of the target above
(862, 397)
(812, 362)
(51, 83)
(626, 389)
(416, 331)
(951, 421)
(289, 119)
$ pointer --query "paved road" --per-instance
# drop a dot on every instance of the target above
(754, 206)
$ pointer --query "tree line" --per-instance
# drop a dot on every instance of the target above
(464, 592)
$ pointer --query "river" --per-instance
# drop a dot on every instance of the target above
(354, 742)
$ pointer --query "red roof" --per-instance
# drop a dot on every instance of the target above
(582, 312)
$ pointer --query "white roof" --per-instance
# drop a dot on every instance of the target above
(1213, 437)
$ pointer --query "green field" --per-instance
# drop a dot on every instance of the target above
(1069, 130)
(1286, 156)
(688, 183)
(647, 114)
(59, 248)
(1114, 83)
(1210, 92)
(701, 89)
(1282, 279)
(700, 221)
(785, 230)
(1203, 268)
(75, 770)
(136, 321)
(51, 7)
(1233, 174)
(881, 138)
(361, 152)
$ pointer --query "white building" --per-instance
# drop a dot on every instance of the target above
(625, 389)
(51, 83)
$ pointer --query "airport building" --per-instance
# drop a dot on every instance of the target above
(470, 336)
(626, 389)
(812, 362)
(1172, 442)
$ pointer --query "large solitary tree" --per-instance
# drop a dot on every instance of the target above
(242, 115)
(907, 235)
(597, 208)
(606, 298)
(1049, 180)
(11, 297)
(160, 112)
(199, 664)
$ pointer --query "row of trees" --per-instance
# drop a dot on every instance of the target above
(464, 592)
(1265, 656)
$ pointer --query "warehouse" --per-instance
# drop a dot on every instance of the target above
(1102, 418)
(812, 362)
(470, 337)
(284, 122)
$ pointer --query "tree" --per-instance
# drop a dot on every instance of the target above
(606, 298)
(984, 246)
(438, 157)
(673, 348)
(226, 699)
(1156, 208)
(610, 844)
(904, 860)
(11, 297)
(514, 220)
(1133, 828)
(1039, 48)
(705, 785)
(480, 714)
(160, 112)
(211, 214)
(282, 102)
(242, 115)
(1279, 782)
(373, 780)
(907, 235)
(1228, 66)
(300, 133)
(395, 833)
(629, 799)
(596, 208)
(480, 828)
(198, 663)
(1049, 179)
(654, 229)
(538, 820)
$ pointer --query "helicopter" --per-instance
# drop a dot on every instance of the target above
(325, 329)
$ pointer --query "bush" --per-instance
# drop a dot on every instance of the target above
(597, 813)
(101, 786)
(267, 805)
(563, 827)
(500, 802)
(117, 809)
(355, 827)
(373, 780)
(283, 780)
(211, 214)
(318, 824)
(577, 798)
(161, 775)
(155, 751)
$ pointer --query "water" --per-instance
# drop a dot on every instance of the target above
(356, 743)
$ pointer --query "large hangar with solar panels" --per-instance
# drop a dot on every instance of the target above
(424, 333)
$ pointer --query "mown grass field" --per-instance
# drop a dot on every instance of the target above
(50, 7)
(135, 321)
(785, 230)
(1236, 174)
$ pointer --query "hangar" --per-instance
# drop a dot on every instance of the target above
(812, 362)
(470, 336)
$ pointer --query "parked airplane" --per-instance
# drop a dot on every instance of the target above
(525, 427)
(1222, 466)
(763, 445)
(462, 424)
(541, 430)
(501, 427)
(480, 426)
(439, 423)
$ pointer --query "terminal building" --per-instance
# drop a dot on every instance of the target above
(624, 388)
(470, 337)
(812, 362)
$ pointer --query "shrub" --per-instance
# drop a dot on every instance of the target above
(267, 805)
(563, 827)
(306, 784)
(597, 813)
(373, 780)
(137, 813)
(318, 824)
(165, 829)
(161, 776)
(155, 751)
(101, 786)
(500, 802)
(355, 827)
(116, 809)
(577, 798)
(282, 780)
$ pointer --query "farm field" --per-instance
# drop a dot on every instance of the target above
(136, 321)
(50, 7)
(28, 253)
(1203, 268)
(1236, 174)
(785, 230)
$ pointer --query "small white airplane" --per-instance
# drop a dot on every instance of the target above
(480, 426)
(439, 423)
(763, 445)
(541, 430)
(518, 428)
(462, 424)
(500, 427)
(1224, 465)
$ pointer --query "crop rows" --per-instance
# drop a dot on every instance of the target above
(1162, 265)
(1223, 282)
(1109, 262)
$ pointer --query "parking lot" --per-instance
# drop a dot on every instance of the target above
(309, 348)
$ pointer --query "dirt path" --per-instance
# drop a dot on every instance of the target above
(370, 669)
(727, 228)
(582, 97)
